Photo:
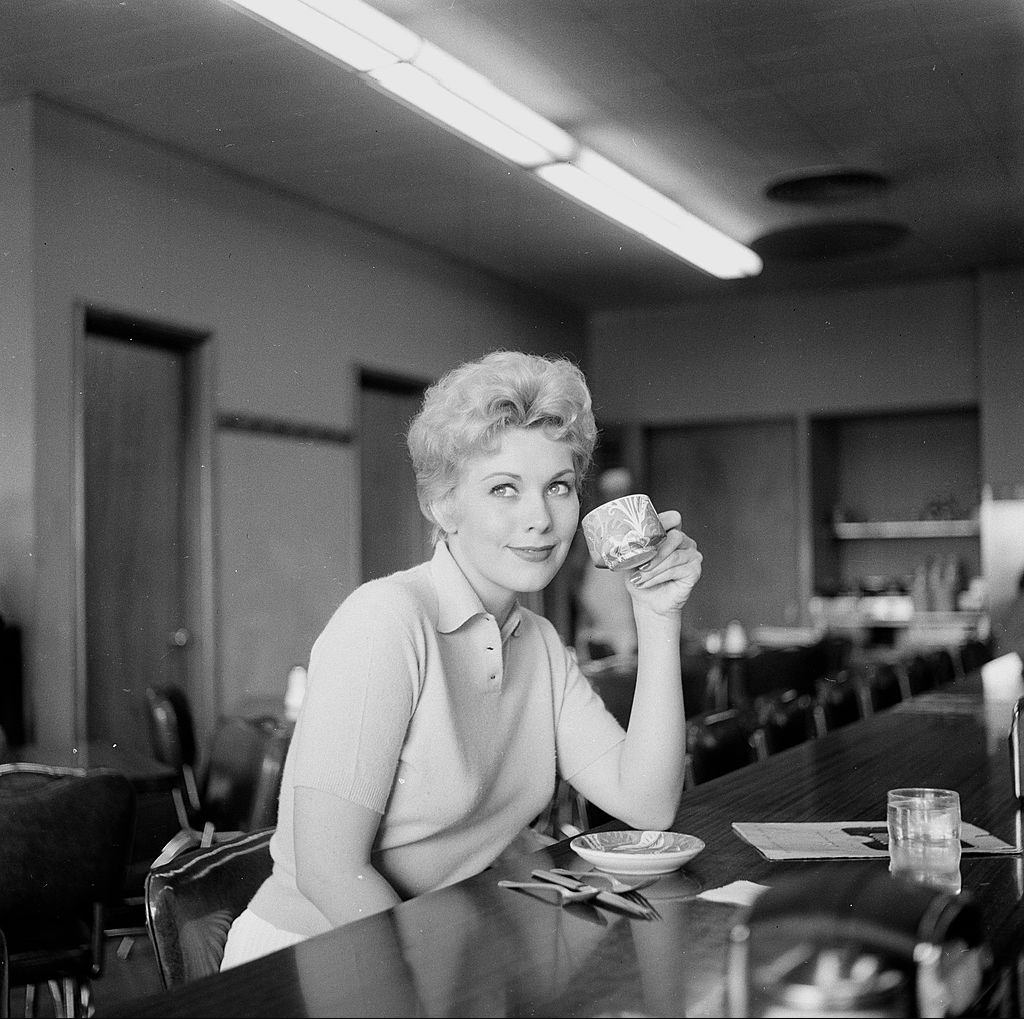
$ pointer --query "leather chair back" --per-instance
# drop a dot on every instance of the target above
(838, 703)
(171, 727)
(717, 744)
(192, 901)
(787, 721)
(65, 845)
(942, 665)
(243, 775)
(973, 654)
(883, 687)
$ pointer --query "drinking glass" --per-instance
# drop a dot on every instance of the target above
(924, 836)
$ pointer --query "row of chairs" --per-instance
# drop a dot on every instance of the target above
(192, 900)
(721, 741)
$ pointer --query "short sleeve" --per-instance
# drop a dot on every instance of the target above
(360, 695)
(584, 728)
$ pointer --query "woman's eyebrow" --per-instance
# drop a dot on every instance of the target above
(568, 471)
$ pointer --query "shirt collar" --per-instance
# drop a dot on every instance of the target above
(457, 602)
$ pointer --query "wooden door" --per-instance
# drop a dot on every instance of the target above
(138, 507)
(395, 534)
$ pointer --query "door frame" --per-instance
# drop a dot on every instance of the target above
(198, 572)
(366, 376)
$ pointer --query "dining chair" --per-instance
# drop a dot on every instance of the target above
(973, 654)
(192, 900)
(234, 785)
(772, 671)
(835, 651)
(836, 704)
(880, 688)
(243, 773)
(64, 852)
(717, 744)
(942, 665)
(784, 721)
(172, 739)
(916, 676)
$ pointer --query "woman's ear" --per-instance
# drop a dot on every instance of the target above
(443, 512)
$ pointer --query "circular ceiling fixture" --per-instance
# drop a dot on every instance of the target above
(827, 186)
(829, 240)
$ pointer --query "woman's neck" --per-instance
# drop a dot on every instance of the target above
(499, 603)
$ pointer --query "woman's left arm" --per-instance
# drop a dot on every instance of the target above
(641, 780)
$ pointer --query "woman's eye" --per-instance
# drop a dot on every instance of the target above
(560, 487)
(505, 489)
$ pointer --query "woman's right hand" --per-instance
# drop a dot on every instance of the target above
(663, 585)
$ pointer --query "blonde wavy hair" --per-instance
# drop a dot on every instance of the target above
(465, 412)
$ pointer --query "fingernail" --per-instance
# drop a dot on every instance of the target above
(637, 578)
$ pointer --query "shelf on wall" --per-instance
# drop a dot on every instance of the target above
(873, 529)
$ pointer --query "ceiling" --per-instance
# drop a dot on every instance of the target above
(711, 101)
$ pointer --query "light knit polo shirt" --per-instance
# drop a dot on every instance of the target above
(418, 707)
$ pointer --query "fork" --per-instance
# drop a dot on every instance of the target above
(630, 890)
(567, 894)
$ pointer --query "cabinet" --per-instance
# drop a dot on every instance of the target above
(787, 509)
(889, 494)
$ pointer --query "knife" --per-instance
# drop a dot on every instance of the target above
(606, 898)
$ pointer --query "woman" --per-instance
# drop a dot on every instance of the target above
(437, 709)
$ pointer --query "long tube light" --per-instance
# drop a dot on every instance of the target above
(598, 183)
(420, 75)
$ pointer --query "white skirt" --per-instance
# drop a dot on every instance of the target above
(251, 936)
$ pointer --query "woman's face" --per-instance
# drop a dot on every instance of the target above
(513, 515)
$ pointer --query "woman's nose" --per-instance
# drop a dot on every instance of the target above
(538, 514)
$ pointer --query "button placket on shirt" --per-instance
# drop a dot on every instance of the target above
(493, 652)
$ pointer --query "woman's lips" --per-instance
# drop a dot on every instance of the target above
(532, 554)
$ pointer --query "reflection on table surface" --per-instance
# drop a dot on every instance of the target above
(476, 949)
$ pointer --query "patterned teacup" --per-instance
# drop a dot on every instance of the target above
(623, 533)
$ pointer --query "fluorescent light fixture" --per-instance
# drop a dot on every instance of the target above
(473, 87)
(426, 78)
(596, 182)
(418, 89)
(350, 31)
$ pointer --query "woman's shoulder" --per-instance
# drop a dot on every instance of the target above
(404, 596)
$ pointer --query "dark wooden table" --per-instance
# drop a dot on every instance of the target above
(478, 950)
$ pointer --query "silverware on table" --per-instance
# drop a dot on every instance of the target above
(603, 896)
(614, 884)
(584, 894)
(632, 890)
